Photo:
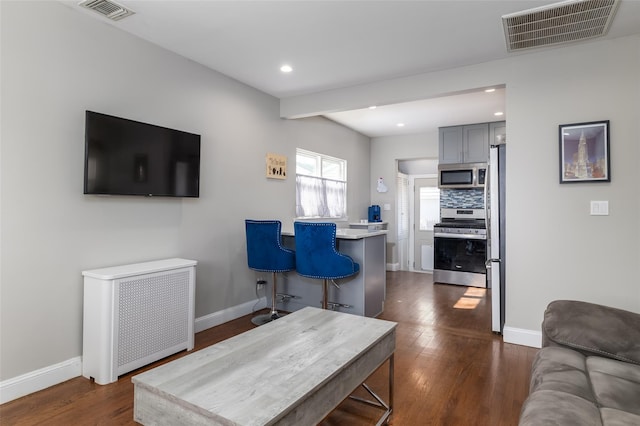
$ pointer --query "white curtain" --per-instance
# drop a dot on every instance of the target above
(318, 197)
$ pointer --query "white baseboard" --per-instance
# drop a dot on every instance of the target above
(54, 374)
(40, 379)
(393, 266)
(229, 314)
(520, 336)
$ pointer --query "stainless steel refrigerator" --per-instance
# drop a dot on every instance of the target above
(496, 218)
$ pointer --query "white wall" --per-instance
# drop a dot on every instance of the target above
(555, 249)
(56, 63)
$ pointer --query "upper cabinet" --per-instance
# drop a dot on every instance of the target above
(475, 143)
(468, 144)
(450, 144)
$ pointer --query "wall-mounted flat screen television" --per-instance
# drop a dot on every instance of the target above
(126, 157)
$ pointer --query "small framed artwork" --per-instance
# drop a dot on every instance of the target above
(584, 152)
(276, 166)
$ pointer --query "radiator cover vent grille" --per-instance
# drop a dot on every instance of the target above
(154, 315)
(559, 23)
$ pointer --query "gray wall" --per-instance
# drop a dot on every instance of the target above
(385, 153)
(56, 63)
(555, 249)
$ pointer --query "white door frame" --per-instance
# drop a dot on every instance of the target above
(412, 219)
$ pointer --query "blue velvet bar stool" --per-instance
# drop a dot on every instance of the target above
(266, 254)
(317, 256)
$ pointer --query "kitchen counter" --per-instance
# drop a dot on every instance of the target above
(361, 294)
(369, 225)
(350, 234)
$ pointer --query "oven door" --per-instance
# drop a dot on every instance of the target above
(460, 259)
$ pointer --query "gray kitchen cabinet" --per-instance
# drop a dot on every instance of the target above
(464, 144)
(450, 144)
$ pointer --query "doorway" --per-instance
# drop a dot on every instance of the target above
(418, 199)
(425, 212)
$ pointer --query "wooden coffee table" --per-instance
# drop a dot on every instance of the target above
(293, 371)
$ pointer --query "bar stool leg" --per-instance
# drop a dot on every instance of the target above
(325, 294)
(274, 314)
(274, 311)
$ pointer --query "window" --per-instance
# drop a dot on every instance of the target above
(321, 185)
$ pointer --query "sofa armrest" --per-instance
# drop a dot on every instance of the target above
(592, 329)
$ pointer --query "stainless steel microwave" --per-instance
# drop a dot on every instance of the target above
(462, 175)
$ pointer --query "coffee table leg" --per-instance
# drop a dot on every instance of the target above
(391, 383)
(379, 402)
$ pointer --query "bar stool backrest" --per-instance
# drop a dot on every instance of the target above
(316, 253)
(264, 247)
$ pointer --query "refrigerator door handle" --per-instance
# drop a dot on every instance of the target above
(487, 211)
(488, 263)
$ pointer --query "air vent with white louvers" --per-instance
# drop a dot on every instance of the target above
(558, 23)
(107, 8)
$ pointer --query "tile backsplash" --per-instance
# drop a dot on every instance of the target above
(461, 198)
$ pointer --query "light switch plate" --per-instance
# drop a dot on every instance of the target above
(386, 206)
(599, 208)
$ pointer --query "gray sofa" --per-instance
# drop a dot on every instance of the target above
(588, 370)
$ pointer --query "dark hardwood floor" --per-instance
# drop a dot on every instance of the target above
(450, 369)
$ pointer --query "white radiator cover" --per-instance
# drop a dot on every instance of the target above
(136, 314)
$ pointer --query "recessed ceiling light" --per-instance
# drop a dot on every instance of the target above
(400, 124)
(498, 114)
(286, 68)
(490, 90)
(373, 107)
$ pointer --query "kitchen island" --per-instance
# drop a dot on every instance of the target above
(361, 294)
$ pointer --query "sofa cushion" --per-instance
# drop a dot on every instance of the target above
(616, 384)
(554, 408)
(568, 388)
(611, 417)
(562, 370)
(592, 329)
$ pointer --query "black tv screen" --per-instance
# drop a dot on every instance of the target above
(126, 157)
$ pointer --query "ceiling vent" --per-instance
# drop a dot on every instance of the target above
(558, 23)
(107, 8)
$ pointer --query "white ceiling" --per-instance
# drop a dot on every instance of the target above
(337, 44)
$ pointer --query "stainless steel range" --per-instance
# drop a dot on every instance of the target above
(460, 248)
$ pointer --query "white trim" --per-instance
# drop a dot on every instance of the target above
(43, 378)
(39, 379)
(393, 266)
(412, 215)
(523, 337)
(228, 314)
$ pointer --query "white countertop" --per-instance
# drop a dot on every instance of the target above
(355, 234)
(349, 234)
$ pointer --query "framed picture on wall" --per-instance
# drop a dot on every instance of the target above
(276, 166)
(584, 152)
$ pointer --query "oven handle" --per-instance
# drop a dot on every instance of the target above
(460, 236)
